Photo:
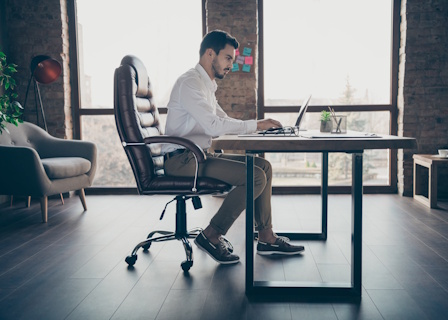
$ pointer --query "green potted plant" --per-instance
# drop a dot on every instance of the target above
(10, 110)
(325, 121)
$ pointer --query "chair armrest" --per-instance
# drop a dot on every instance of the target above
(22, 172)
(198, 153)
(190, 145)
(53, 147)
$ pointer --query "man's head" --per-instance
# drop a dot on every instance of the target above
(217, 40)
(217, 53)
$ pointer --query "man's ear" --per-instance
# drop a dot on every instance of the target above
(209, 52)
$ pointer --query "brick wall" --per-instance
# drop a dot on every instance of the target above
(423, 83)
(237, 92)
(40, 28)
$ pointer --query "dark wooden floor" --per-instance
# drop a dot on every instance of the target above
(73, 267)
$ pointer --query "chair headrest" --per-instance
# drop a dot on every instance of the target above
(141, 74)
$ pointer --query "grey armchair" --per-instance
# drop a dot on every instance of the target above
(34, 163)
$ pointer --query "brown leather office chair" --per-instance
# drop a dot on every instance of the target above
(137, 120)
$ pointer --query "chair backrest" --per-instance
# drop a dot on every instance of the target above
(25, 134)
(137, 117)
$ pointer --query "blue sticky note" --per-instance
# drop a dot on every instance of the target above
(235, 67)
(247, 51)
(246, 68)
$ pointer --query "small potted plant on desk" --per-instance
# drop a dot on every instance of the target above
(325, 121)
(10, 110)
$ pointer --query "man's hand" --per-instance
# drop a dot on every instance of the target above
(265, 124)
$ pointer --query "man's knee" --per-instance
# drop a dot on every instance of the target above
(265, 165)
(260, 180)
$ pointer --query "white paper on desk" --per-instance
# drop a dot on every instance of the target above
(328, 135)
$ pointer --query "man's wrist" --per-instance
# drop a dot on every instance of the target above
(251, 126)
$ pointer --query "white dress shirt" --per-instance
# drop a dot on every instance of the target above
(194, 112)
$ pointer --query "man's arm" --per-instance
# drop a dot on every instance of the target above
(220, 112)
(262, 124)
(196, 104)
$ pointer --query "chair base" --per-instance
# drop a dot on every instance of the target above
(180, 234)
(166, 236)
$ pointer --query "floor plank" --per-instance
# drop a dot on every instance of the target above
(73, 267)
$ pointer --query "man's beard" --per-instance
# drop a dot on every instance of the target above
(215, 70)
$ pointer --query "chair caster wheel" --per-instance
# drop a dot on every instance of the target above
(186, 265)
(130, 260)
(147, 246)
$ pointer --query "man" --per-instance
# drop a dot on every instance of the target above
(194, 113)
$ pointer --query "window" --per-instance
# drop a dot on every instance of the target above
(342, 52)
(107, 31)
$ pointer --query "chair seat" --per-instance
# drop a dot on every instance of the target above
(184, 185)
(65, 167)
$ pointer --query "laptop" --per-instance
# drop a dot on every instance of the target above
(283, 131)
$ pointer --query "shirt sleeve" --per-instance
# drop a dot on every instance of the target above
(212, 119)
(220, 112)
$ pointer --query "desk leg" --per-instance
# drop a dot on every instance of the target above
(432, 186)
(322, 235)
(324, 194)
(301, 289)
(249, 222)
(357, 191)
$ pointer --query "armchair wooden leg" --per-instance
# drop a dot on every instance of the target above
(28, 201)
(62, 198)
(44, 208)
(82, 196)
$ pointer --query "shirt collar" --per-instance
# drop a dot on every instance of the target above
(211, 84)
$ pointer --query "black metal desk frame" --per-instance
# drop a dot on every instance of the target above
(307, 289)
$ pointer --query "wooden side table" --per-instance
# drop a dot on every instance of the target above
(431, 162)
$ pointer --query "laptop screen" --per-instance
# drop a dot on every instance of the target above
(302, 111)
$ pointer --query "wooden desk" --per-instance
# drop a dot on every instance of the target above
(431, 162)
(355, 146)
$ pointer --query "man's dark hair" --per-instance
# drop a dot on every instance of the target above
(217, 40)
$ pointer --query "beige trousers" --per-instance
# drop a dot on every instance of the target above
(230, 168)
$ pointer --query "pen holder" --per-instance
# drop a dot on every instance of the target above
(339, 124)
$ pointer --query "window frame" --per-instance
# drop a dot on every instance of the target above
(77, 110)
(391, 107)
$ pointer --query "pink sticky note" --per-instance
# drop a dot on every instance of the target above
(237, 52)
(248, 60)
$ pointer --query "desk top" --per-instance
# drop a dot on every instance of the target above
(300, 144)
(429, 158)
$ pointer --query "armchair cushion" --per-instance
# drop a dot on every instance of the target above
(65, 167)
